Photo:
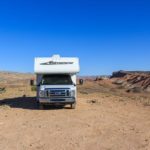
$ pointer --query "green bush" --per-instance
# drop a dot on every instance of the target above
(2, 90)
(33, 88)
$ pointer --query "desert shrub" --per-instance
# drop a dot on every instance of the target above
(2, 90)
(33, 88)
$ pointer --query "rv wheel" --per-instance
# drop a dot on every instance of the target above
(41, 106)
(73, 106)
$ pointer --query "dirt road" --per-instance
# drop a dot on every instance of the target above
(100, 122)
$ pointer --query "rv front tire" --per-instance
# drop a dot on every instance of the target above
(41, 106)
(73, 106)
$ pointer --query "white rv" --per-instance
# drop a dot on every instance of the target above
(56, 80)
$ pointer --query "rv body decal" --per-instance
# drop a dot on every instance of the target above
(56, 63)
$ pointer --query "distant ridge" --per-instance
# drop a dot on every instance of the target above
(123, 73)
(14, 72)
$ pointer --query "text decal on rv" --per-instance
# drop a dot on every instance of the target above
(56, 63)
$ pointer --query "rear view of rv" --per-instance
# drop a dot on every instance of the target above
(56, 80)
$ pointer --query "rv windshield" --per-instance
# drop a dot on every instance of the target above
(56, 80)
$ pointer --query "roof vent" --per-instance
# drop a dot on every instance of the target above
(55, 57)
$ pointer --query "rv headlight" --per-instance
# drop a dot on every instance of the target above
(72, 93)
(42, 94)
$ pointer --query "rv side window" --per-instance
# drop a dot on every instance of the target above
(56, 80)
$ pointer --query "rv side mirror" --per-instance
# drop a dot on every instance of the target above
(81, 81)
(32, 82)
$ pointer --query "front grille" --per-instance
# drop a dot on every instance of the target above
(57, 92)
(58, 100)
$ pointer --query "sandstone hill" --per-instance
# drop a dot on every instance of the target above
(135, 81)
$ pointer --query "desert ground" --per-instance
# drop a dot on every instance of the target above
(106, 118)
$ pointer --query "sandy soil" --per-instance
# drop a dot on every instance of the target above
(101, 121)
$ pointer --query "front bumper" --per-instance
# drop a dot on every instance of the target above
(60, 100)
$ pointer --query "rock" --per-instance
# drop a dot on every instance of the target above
(135, 90)
(147, 89)
(118, 74)
(92, 101)
(119, 82)
(133, 81)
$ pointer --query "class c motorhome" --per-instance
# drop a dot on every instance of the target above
(56, 80)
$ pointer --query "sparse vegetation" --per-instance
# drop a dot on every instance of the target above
(2, 90)
(33, 88)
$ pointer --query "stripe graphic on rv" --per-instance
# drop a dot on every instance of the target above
(56, 63)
